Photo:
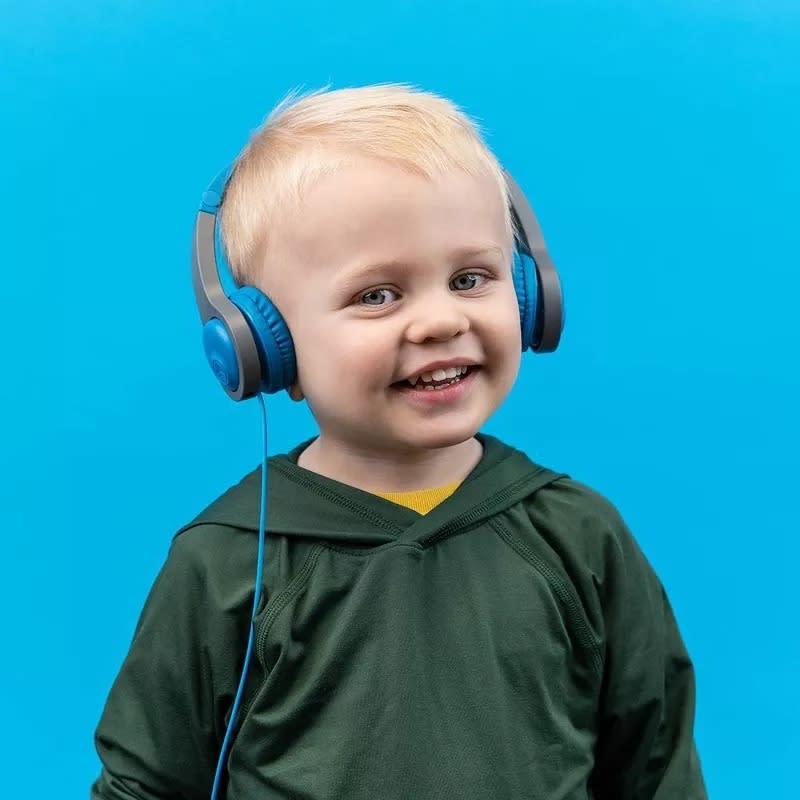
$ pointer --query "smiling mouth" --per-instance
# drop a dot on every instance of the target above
(436, 380)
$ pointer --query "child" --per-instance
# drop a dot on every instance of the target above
(441, 618)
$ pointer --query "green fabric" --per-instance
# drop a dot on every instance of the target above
(513, 643)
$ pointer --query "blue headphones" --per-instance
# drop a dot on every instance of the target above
(248, 344)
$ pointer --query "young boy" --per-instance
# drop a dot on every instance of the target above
(441, 618)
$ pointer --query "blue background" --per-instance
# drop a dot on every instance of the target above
(658, 142)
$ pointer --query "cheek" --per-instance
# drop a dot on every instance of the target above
(506, 328)
(367, 357)
(340, 351)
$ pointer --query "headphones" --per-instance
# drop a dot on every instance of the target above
(247, 342)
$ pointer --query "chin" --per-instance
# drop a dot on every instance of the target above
(439, 437)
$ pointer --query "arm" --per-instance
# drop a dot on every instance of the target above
(163, 722)
(646, 748)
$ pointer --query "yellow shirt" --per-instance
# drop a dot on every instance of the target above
(423, 500)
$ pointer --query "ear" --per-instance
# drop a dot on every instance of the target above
(295, 392)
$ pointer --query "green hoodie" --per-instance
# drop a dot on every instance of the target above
(512, 643)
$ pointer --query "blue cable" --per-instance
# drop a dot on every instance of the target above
(262, 517)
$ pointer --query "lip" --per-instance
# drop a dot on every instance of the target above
(434, 365)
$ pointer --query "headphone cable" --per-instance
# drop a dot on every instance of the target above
(226, 742)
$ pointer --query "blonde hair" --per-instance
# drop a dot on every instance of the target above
(307, 137)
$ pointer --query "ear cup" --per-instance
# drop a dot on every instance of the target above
(220, 353)
(526, 288)
(272, 337)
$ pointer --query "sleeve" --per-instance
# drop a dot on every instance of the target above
(163, 722)
(645, 748)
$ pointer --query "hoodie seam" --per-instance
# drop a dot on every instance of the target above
(468, 519)
(282, 600)
(345, 551)
(560, 587)
(271, 611)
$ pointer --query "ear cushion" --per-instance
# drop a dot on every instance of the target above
(527, 296)
(221, 353)
(272, 337)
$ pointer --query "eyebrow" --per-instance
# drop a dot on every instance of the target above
(363, 272)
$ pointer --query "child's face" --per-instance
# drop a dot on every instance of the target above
(382, 274)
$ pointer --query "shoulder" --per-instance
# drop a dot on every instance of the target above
(578, 537)
(555, 500)
(577, 509)
(554, 510)
(575, 525)
(236, 507)
(218, 544)
(588, 535)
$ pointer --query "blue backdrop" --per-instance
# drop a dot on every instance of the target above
(658, 142)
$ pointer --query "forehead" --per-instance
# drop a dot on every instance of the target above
(373, 208)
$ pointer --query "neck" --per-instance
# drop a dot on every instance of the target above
(406, 471)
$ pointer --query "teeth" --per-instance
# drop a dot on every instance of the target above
(438, 375)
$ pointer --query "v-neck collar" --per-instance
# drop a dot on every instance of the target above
(303, 503)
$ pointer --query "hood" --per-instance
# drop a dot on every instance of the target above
(304, 504)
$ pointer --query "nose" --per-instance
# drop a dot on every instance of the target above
(439, 319)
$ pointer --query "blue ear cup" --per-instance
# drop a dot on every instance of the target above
(272, 338)
(526, 288)
(220, 353)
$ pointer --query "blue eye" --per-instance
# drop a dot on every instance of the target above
(466, 281)
(376, 297)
